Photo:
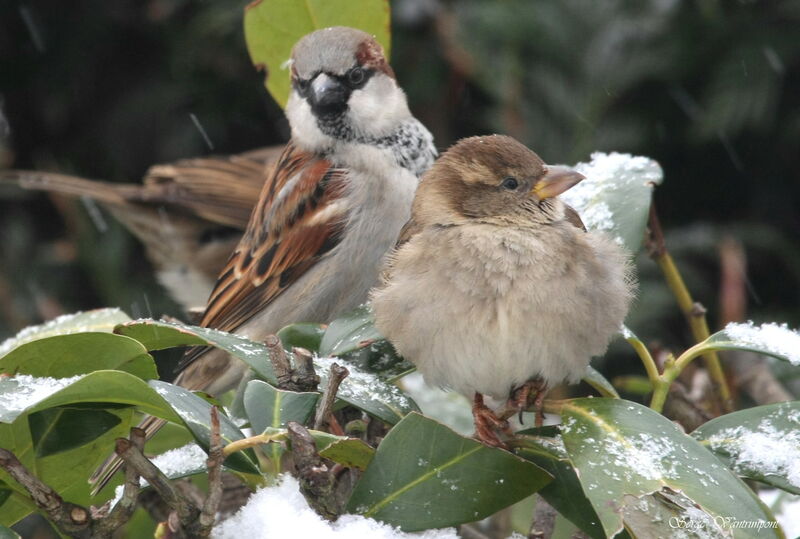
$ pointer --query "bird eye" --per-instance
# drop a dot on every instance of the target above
(510, 183)
(356, 76)
(301, 85)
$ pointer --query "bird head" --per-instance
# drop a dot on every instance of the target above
(493, 179)
(343, 90)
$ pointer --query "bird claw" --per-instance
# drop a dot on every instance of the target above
(487, 424)
(521, 396)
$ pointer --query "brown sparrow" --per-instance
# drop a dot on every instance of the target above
(331, 209)
(189, 214)
(495, 282)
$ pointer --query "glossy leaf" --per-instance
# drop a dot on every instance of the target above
(308, 336)
(267, 406)
(350, 452)
(367, 392)
(599, 382)
(615, 196)
(25, 394)
(544, 447)
(349, 333)
(58, 429)
(7, 533)
(79, 353)
(270, 407)
(424, 475)
(761, 443)
(620, 449)
(272, 27)
(158, 335)
(80, 322)
(773, 340)
(195, 413)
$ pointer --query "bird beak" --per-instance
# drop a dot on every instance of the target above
(327, 95)
(556, 181)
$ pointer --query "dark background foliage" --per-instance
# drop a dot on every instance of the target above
(710, 89)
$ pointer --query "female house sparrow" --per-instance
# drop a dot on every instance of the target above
(189, 214)
(329, 212)
(495, 282)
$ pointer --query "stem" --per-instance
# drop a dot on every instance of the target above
(647, 360)
(672, 370)
(693, 311)
(252, 441)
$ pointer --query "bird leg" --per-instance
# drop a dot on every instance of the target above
(520, 398)
(487, 423)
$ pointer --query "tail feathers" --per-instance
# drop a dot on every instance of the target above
(101, 477)
(110, 193)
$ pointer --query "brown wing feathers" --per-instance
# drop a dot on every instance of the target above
(287, 235)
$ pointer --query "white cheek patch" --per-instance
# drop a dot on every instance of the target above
(305, 131)
(378, 107)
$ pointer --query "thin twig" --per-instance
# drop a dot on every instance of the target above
(69, 518)
(693, 312)
(337, 374)
(124, 508)
(214, 465)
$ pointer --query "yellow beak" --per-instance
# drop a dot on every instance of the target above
(556, 181)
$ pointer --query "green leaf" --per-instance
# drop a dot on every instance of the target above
(6, 533)
(424, 476)
(367, 392)
(62, 356)
(349, 333)
(773, 340)
(27, 394)
(361, 389)
(615, 196)
(761, 443)
(622, 449)
(58, 429)
(158, 335)
(267, 406)
(272, 27)
(270, 407)
(308, 336)
(81, 322)
(544, 448)
(350, 452)
(195, 413)
(599, 382)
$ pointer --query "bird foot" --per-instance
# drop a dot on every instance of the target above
(487, 424)
(521, 399)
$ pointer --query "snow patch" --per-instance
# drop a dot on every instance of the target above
(281, 511)
(777, 338)
(29, 390)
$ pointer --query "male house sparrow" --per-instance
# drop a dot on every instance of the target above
(329, 212)
(495, 282)
(189, 214)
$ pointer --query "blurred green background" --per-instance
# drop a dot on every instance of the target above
(710, 89)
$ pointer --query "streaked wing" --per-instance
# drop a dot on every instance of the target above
(299, 217)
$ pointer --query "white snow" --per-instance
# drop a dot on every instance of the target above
(361, 385)
(785, 507)
(606, 172)
(29, 390)
(182, 460)
(281, 511)
(97, 320)
(766, 449)
(449, 407)
(776, 338)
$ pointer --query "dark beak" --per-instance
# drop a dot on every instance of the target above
(556, 181)
(327, 95)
